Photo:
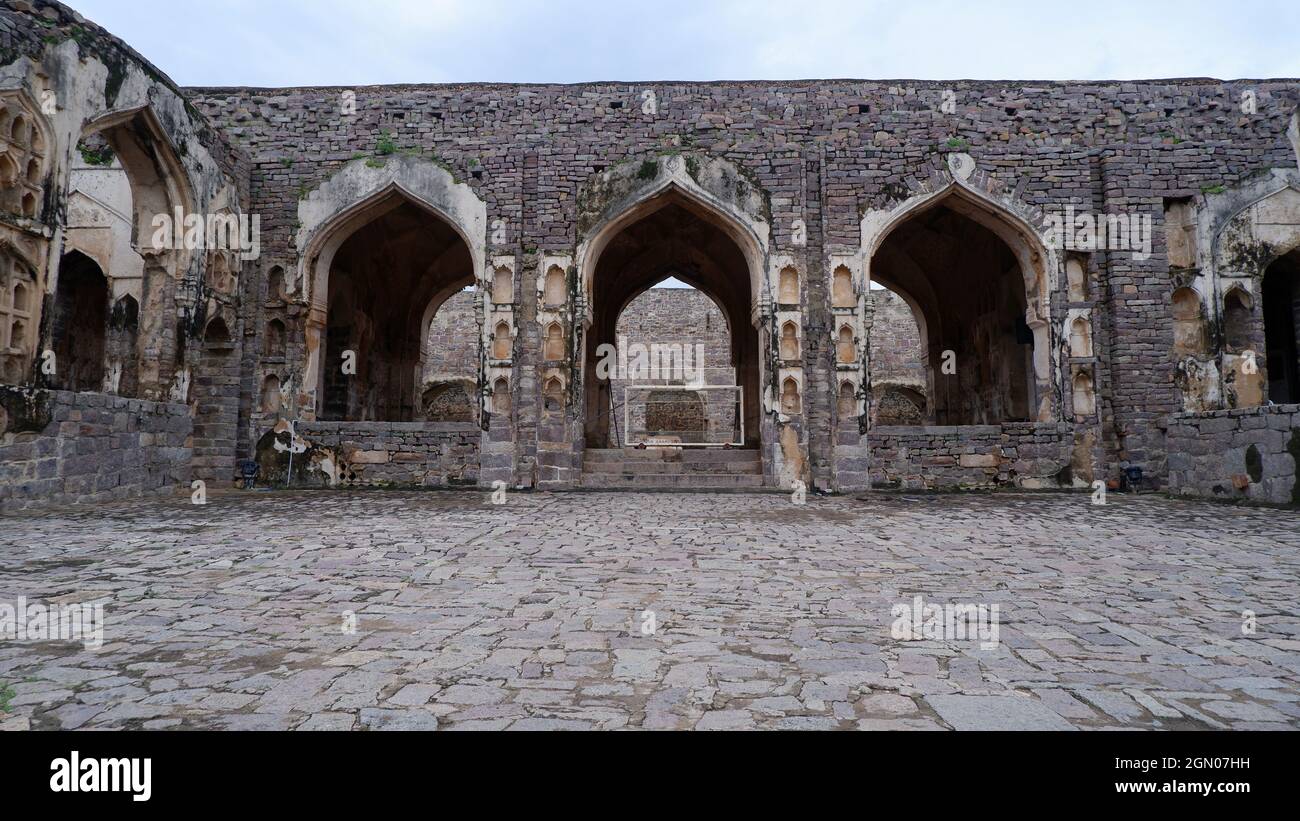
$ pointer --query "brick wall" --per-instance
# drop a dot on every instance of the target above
(1246, 454)
(822, 152)
(397, 453)
(64, 447)
(1023, 454)
(679, 316)
(454, 338)
(895, 341)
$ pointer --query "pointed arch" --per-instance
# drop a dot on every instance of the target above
(1014, 224)
(1010, 221)
(359, 193)
(553, 343)
(159, 182)
(790, 346)
(674, 184)
(356, 196)
(1253, 224)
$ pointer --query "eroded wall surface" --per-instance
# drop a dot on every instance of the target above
(1246, 454)
(111, 311)
(69, 448)
(823, 154)
(809, 178)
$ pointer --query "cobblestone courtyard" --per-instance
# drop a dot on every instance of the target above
(529, 615)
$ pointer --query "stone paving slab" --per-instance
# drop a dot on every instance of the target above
(388, 610)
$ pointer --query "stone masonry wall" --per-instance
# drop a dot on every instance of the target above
(429, 454)
(895, 342)
(453, 339)
(64, 447)
(819, 156)
(1024, 454)
(1244, 454)
(685, 316)
(822, 152)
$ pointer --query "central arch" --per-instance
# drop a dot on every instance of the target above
(673, 232)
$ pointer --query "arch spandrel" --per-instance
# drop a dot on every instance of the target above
(360, 192)
(713, 189)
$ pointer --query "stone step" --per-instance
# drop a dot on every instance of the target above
(692, 481)
(694, 455)
(637, 466)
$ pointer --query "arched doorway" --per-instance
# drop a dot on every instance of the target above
(80, 324)
(899, 374)
(1281, 302)
(133, 144)
(675, 337)
(973, 297)
(671, 235)
(386, 280)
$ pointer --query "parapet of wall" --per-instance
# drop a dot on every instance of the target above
(427, 454)
(1033, 455)
(60, 447)
(1248, 454)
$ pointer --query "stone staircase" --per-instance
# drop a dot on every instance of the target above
(667, 468)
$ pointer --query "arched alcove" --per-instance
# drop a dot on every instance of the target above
(1084, 397)
(274, 340)
(1080, 337)
(791, 402)
(1189, 322)
(553, 343)
(501, 342)
(788, 286)
(846, 351)
(789, 341)
(554, 293)
(80, 324)
(1237, 320)
(503, 286)
(842, 295)
(980, 282)
(501, 396)
(553, 395)
(270, 398)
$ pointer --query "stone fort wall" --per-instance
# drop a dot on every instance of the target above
(67, 448)
(822, 169)
(823, 153)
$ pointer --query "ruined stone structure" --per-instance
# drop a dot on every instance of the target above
(1053, 351)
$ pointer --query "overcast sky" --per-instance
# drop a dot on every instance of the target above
(346, 42)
